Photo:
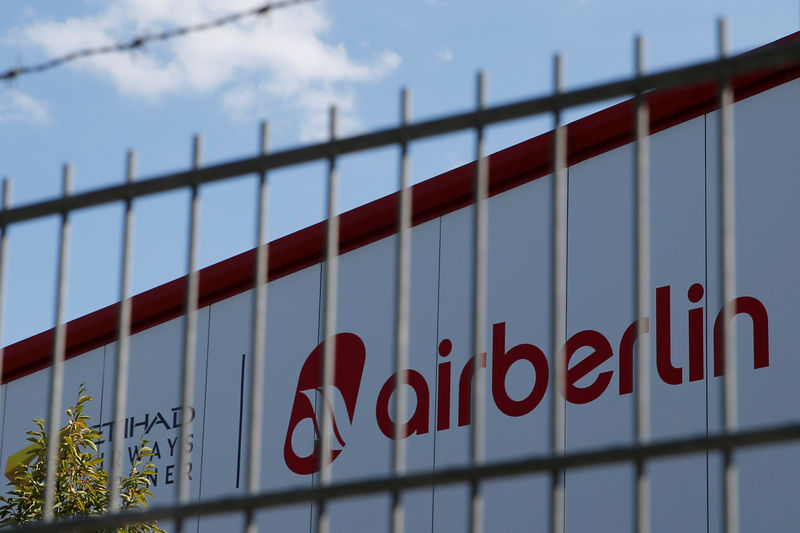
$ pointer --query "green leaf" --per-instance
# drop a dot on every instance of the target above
(81, 483)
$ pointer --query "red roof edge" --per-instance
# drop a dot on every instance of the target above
(508, 168)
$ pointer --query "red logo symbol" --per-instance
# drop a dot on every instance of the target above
(348, 367)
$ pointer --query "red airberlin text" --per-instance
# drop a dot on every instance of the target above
(669, 365)
(582, 354)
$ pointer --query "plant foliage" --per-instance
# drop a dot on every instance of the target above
(82, 485)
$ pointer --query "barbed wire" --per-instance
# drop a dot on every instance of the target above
(138, 42)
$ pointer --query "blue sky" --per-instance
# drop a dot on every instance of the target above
(288, 68)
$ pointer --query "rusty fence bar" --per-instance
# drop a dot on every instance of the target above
(56, 389)
(641, 416)
(530, 465)
(727, 273)
(558, 301)
(6, 201)
(123, 344)
(190, 334)
(480, 253)
(258, 335)
(402, 313)
(329, 318)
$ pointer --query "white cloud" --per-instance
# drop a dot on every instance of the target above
(240, 101)
(311, 104)
(445, 54)
(17, 106)
(281, 56)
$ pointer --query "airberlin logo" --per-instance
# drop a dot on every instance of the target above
(349, 359)
(591, 347)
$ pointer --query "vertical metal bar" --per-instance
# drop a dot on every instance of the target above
(59, 347)
(480, 250)
(123, 345)
(190, 333)
(558, 304)
(727, 191)
(329, 348)
(5, 203)
(401, 329)
(259, 335)
(642, 291)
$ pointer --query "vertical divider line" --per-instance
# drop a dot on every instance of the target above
(190, 332)
(59, 348)
(329, 346)
(241, 423)
(642, 290)
(436, 366)
(402, 309)
(259, 334)
(123, 344)
(558, 303)
(5, 203)
(727, 192)
(707, 344)
(480, 250)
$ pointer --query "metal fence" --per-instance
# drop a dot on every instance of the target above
(719, 71)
